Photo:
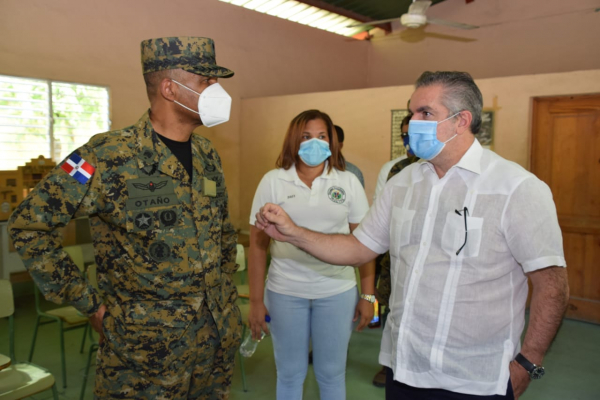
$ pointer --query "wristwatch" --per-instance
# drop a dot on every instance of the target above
(368, 297)
(535, 371)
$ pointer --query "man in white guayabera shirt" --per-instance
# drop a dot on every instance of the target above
(464, 228)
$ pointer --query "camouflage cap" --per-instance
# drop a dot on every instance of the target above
(192, 54)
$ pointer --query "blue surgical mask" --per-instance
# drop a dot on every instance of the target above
(314, 151)
(423, 138)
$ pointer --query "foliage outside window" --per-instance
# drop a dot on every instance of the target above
(41, 117)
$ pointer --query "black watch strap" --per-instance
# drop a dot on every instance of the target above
(535, 372)
(528, 365)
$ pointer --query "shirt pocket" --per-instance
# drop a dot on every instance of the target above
(156, 218)
(158, 240)
(454, 236)
(401, 228)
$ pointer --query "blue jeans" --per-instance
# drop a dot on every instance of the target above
(328, 322)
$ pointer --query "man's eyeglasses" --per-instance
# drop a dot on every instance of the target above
(465, 212)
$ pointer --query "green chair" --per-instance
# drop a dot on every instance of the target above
(245, 310)
(92, 350)
(67, 318)
(244, 296)
(243, 289)
(92, 279)
(20, 380)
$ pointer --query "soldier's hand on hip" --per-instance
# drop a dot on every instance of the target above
(96, 321)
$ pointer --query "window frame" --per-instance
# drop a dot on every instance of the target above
(50, 109)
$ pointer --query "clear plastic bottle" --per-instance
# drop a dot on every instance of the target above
(248, 346)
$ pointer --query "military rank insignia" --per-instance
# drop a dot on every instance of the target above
(78, 168)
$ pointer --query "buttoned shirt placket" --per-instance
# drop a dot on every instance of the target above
(413, 282)
(444, 316)
(449, 294)
(315, 190)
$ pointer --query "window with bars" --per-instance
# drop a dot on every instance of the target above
(48, 118)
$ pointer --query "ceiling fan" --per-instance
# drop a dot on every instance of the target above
(415, 18)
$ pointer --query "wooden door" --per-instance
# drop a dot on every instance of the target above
(565, 153)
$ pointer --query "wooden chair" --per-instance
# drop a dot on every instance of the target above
(20, 380)
(67, 318)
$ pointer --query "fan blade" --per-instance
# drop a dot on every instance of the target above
(409, 37)
(419, 7)
(453, 24)
(419, 34)
(381, 21)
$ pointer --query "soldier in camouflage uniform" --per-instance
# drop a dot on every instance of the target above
(164, 244)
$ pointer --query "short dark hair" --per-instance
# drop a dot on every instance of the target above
(153, 79)
(340, 133)
(460, 93)
(291, 144)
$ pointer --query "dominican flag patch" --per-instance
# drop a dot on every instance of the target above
(78, 168)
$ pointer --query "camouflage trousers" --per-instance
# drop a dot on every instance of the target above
(204, 371)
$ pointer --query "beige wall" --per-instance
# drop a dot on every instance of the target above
(366, 118)
(98, 42)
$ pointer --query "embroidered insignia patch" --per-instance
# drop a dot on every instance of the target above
(159, 251)
(143, 220)
(149, 169)
(78, 168)
(151, 201)
(151, 186)
(147, 155)
(336, 194)
(168, 217)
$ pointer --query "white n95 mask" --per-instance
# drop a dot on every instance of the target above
(214, 104)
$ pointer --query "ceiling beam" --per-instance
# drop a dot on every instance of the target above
(387, 27)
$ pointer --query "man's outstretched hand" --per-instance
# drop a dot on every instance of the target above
(275, 222)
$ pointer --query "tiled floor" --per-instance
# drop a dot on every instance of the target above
(572, 364)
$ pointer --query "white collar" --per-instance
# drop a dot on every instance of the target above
(291, 174)
(470, 161)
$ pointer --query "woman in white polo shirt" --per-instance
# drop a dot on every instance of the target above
(308, 299)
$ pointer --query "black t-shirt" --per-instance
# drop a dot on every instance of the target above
(182, 150)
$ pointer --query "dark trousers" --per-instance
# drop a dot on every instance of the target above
(395, 390)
